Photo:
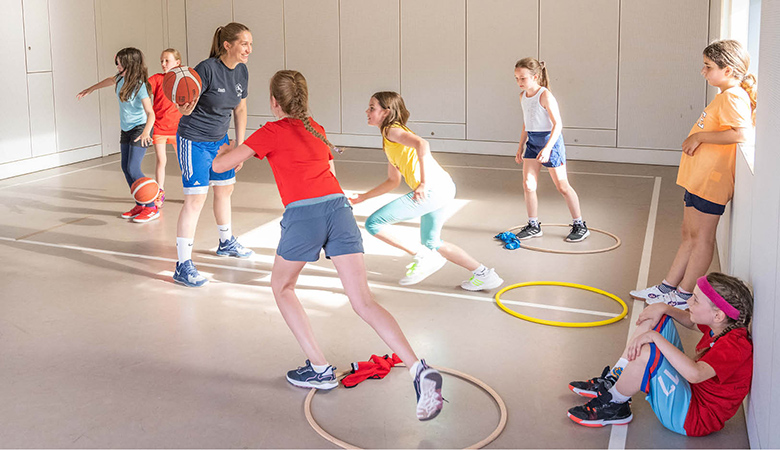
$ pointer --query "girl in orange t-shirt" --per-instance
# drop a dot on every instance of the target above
(707, 169)
(167, 117)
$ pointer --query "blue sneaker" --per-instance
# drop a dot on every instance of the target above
(188, 275)
(427, 385)
(307, 377)
(234, 249)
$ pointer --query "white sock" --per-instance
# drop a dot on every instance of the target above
(577, 220)
(225, 233)
(617, 397)
(320, 369)
(481, 270)
(617, 369)
(533, 221)
(423, 252)
(184, 248)
(413, 369)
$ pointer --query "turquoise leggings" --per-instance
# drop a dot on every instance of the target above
(431, 212)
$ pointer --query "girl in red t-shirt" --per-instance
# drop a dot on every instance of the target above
(167, 117)
(319, 216)
(690, 396)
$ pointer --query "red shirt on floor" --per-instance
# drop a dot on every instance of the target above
(166, 115)
(299, 160)
(716, 400)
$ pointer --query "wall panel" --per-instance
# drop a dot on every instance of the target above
(203, 18)
(42, 126)
(36, 35)
(14, 121)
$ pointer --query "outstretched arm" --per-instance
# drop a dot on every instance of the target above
(110, 81)
(393, 181)
(229, 157)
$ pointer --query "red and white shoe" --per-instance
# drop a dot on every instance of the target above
(133, 212)
(147, 215)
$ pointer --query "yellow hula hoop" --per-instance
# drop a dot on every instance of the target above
(562, 324)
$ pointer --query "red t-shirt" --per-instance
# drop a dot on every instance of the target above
(299, 160)
(166, 115)
(716, 400)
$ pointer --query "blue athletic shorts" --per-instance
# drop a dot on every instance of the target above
(536, 142)
(667, 391)
(701, 205)
(195, 160)
(310, 225)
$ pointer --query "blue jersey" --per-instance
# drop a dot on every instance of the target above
(131, 112)
(221, 91)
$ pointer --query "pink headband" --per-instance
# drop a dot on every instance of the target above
(719, 301)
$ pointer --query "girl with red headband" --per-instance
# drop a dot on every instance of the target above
(690, 396)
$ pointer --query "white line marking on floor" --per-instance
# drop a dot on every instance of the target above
(266, 272)
(520, 169)
(619, 434)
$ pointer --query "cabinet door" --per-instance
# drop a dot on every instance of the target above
(266, 20)
(36, 35)
(203, 18)
(14, 120)
(41, 86)
(370, 58)
(312, 36)
(662, 93)
(578, 41)
(500, 32)
(433, 59)
(74, 68)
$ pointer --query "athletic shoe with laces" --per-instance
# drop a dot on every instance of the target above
(427, 386)
(595, 386)
(148, 214)
(306, 377)
(487, 281)
(188, 275)
(673, 299)
(579, 231)
(600, 411)
(651, 294)
(158, 202)
(133, 212)
(530, 231)
(232, 248)
(426, 262)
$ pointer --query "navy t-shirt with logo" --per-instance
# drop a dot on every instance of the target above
(222, 91)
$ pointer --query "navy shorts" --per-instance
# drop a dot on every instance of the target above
(701, 205)
(310, 225)
(536, 142)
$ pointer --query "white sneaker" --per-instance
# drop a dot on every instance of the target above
(487, 281)
(650, 295)
(672, 299)
(426, 263)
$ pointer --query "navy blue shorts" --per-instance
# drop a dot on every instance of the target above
(536, 142)
(701, 205)
(310, 225)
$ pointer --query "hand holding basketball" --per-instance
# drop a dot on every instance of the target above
(182, 86)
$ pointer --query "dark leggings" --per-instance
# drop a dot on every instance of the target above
(132, 155)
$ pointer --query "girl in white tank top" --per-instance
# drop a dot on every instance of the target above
(541, 144)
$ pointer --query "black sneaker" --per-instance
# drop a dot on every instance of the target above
(427, 386)
(601, 411)
(529, 231)
(595, 386)
(579, 231)
(307, 377)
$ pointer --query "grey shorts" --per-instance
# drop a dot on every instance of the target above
(310, 225)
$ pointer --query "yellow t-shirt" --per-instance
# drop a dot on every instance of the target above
(709, 173)
(405, 160)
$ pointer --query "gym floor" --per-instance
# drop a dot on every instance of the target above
(101, 349)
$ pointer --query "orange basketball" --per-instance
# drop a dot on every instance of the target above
(181, 85)
(144, 190)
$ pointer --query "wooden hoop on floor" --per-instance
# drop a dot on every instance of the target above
(475, 381)
(523, 244)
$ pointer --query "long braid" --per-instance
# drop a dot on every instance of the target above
(307, 124)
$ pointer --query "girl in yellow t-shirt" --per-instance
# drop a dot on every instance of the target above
(410, 157)
(707, 169)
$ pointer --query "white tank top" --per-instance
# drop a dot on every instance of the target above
(535, 116)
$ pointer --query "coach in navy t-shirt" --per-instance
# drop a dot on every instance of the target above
(202, 131)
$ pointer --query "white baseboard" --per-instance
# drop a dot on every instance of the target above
(573, 152)
(30, 165)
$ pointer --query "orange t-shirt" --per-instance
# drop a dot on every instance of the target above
(709, 173)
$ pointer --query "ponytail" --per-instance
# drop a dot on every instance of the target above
(228, 33)
(749, 85)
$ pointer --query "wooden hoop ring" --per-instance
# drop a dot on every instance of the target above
(475, 381)
(523, 244)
